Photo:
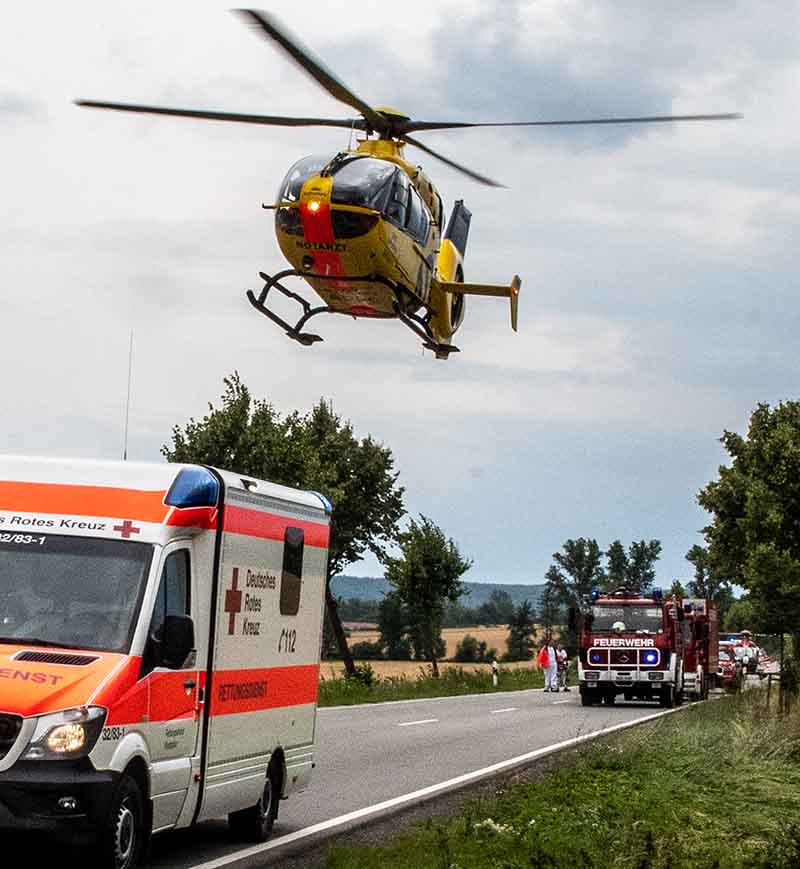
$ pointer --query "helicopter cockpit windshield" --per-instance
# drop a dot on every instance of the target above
(298, 174)
(363, 181)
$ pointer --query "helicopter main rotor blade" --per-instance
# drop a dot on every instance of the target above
(268, 120)
(268, 26)
(416, 126)
(481, 179)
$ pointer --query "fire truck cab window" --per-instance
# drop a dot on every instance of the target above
(363, 181)
(638, 619)
(296, 177)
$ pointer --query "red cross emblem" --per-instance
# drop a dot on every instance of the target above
(233, 601)
(127, 528)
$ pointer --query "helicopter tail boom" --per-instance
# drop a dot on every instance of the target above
(510, 292)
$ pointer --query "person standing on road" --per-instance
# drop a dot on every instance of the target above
(562, 661)
(548, 661)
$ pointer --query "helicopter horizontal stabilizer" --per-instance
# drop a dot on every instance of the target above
(510, 292)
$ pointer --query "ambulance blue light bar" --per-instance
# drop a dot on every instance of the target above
(193, 487)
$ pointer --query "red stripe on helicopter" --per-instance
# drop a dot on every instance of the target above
(315, 217)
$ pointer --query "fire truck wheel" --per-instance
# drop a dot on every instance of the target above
(588, 697)
(124, 834)
(255, 824)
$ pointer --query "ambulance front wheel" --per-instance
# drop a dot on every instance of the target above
(255, 824)
(123, 836)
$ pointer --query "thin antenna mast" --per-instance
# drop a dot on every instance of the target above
(128, 400)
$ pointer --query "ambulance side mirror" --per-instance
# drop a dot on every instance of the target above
(177, 641)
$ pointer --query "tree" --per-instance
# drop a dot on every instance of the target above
(617, 571)
(471, 650)
(677, 590)
(754, 536)
(576, 571)
(318, 452)
(642, 556)
(426, 575)
(393, 626)
(706, 583)
(520, 633)
(550, 603)
(497, 610)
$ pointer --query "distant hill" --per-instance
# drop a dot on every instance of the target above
(374, 588)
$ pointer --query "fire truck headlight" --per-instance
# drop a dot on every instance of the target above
(595, 657)
(65, 735)
(650, 657)
(655, 677)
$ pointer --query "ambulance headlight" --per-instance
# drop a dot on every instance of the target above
(66, 735)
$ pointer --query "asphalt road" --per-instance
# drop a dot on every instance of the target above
(370, 754)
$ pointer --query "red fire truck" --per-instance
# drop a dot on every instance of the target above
(701, 646)
(631, 644)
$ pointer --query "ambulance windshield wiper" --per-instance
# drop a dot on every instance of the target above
(35, 641)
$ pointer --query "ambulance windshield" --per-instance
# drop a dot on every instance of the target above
(635, 619)
(70, 592)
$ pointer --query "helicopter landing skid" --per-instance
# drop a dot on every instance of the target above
(418, 325)
(293, 332)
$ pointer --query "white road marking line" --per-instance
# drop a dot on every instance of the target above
(423, 721)
(498, 711)
(375, 809)
(559, 702)
(488, 695)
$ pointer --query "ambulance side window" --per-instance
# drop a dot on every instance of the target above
(292, 573)
(172, 598)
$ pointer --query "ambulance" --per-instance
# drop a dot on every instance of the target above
(160, 632)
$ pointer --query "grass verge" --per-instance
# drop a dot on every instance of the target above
(451, 682)
(717, 785)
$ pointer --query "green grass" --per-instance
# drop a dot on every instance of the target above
(451, 682)
(717, 785)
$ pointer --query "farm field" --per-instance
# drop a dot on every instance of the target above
(494, 636)
(412, 669)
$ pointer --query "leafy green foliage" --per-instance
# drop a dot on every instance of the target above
(706, 583)
(520, 633)
(318, 452)
(393, 625)
(754, 536)
(634, 568)
(426, 574)
(473, 651)
(576, 570)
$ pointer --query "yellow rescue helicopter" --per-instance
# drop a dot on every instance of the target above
(364, 227)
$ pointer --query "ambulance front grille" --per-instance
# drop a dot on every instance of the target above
(9, 730)
(56, 658)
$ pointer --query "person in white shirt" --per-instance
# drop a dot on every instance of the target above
(562, 660)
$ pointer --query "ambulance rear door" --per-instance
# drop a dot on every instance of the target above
(264, 670)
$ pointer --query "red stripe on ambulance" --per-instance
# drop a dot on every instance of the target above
(254, 523)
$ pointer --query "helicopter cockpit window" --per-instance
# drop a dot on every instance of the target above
(418, 217)
(397, 208)
(364, 182)
(296, 177)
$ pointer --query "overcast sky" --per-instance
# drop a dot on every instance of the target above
(659, 299)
